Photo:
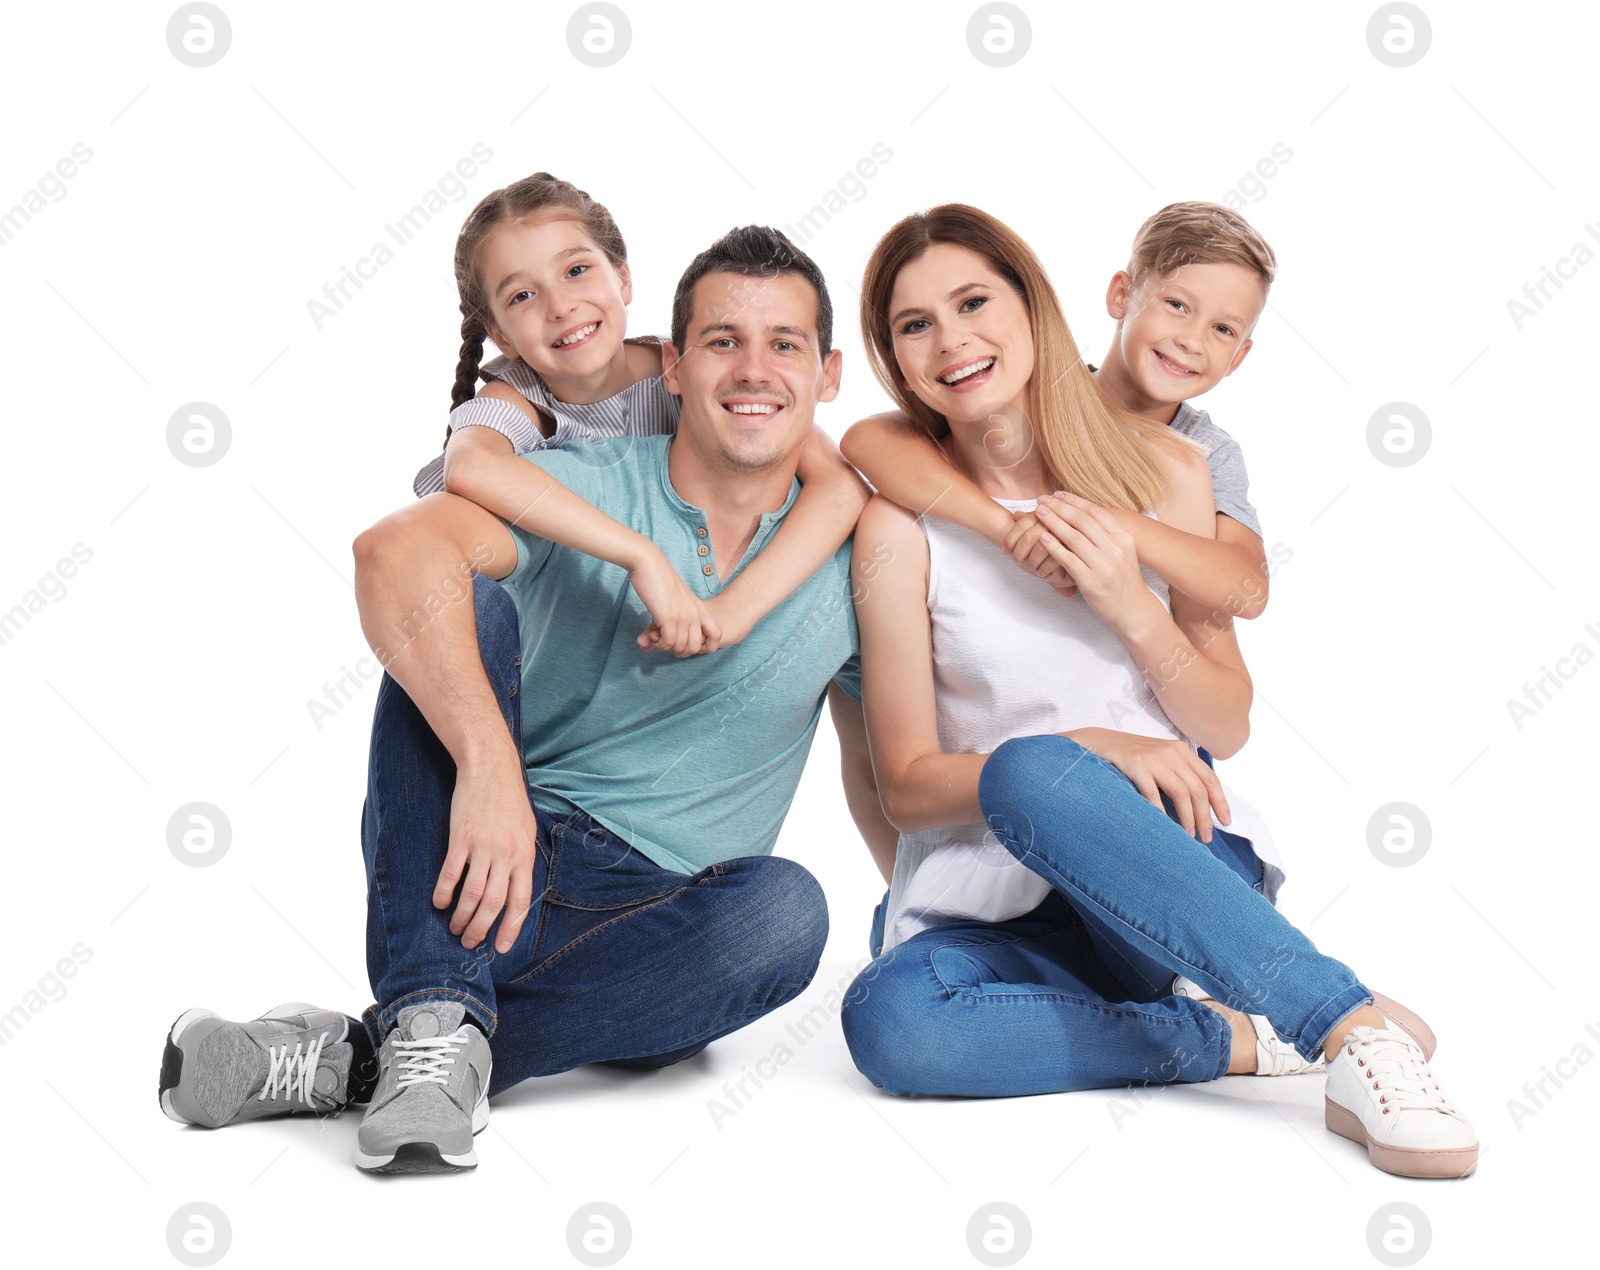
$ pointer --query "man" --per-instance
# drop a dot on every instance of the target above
(617, 849)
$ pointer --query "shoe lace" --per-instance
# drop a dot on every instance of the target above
(1398, 1071)
(293, 1075)
(424, 1061)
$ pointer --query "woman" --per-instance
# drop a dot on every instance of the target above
(1041, 904)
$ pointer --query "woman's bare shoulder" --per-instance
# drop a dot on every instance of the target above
(884, 523)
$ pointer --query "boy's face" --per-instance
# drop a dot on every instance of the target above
(1180, 335)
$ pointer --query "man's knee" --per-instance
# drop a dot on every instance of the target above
(499, 637)
(788, 925)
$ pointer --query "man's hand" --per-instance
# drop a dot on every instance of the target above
(493, 831)
(680, 623)
(1159, 766)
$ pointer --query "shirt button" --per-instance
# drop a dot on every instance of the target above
(700, 532)
(706, 569)
(704, 550)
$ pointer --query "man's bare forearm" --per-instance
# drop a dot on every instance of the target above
(414, 593)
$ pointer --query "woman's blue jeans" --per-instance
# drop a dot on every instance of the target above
(620, 961)
(1077, 994)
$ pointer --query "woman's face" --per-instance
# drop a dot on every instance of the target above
(961, 335)
(555, 300)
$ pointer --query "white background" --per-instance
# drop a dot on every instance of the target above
(179, 661)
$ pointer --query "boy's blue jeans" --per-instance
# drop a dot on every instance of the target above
(1077, 994)
(619, 961)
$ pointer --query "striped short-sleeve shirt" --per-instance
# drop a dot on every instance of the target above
(642, 409)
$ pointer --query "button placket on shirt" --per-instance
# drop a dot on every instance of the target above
(708, 569)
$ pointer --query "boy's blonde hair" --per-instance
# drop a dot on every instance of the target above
(1199, 234)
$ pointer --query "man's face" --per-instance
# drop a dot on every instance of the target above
(751, 372)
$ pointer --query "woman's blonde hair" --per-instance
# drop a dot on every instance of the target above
(1088, 446)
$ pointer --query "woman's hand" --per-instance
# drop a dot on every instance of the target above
(1097, 553)
(1022, 545)
(1159, 766)
(680, 623)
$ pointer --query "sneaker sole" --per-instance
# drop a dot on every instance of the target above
(1402, 1161)
(425, 1157)
(172, 1055)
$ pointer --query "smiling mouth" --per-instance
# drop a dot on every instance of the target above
(967, 372)
(1173, 366)
(577, 337)
(756, 408)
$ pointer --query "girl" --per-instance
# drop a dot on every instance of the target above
(542, 270)
(1052, 875)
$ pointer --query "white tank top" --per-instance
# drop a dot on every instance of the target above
(1012, 657)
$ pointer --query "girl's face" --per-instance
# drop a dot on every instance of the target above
(961, 335)
(555, 300)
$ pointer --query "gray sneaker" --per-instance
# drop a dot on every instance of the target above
(293, 1058)
(432, 1095)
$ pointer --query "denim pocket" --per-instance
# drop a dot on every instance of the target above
(595, 869)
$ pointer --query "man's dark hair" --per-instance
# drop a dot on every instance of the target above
(756, 251)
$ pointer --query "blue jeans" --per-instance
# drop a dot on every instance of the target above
(620, 961)
(1077, 994)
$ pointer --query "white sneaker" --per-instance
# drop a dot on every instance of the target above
(1381, 1092)
(1273, 1052)
(1274, 1055)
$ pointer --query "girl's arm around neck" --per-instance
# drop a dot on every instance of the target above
(822, 518)
(480, 465)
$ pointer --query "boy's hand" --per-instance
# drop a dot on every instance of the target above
(679, 623)
(1024, 547)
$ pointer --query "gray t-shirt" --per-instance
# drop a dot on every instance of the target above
(1230, 483)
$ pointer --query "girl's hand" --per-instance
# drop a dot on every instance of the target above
(1023, 546)
(679, 622)
(732, 623)
(1159, 766)
(1097, 552)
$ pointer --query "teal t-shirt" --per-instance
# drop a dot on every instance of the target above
(691, 760)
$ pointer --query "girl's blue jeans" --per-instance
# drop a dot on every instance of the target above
(620, 961)
(1078, 993)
